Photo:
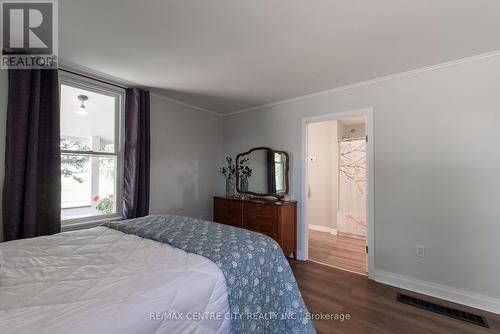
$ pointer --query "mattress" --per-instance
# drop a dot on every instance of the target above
(101, 280)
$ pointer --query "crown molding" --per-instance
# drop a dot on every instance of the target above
(370, 82)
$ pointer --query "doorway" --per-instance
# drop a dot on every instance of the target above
(336, 211)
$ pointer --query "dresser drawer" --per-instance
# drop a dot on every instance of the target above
(226, 204)
(261, 210)
(274, 219)
(228, 218)
(258, 223)
(228, 212)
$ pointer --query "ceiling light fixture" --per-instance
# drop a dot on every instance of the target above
(82, 110)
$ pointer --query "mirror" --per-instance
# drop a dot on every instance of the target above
(262, 172)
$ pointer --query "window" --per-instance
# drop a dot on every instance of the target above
(91, 149)
(279, 166)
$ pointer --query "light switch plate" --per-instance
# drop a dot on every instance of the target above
(420, 251)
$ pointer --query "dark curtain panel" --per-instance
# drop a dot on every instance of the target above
(32, 186)
(137, 154)
(271, 173)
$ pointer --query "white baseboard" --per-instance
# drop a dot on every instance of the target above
(320, 228)
(438, 291)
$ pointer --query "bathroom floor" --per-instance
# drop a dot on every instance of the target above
(338, 251)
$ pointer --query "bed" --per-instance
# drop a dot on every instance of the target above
(157, 274)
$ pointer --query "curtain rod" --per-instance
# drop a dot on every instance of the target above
(89, 77)
(353, 139)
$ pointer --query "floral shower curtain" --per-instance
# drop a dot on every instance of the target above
(351, 218)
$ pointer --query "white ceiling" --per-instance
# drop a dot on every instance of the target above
(228, 55)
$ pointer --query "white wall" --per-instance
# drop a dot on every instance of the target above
(437, 167)
(185, 148)
(323, 174)
(3, 118)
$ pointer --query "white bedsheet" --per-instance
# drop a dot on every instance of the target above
(101, 280)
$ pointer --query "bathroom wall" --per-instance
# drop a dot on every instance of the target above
(323, 175)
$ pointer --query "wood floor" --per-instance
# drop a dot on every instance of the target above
(372, 306)
(341, 252)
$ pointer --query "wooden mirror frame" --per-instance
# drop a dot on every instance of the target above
(278, 196)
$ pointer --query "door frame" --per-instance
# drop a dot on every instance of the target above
(303, 231)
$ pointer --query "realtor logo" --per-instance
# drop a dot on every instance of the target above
(29, 34)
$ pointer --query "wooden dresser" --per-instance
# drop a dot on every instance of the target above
(276, 219)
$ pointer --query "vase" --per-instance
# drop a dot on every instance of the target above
(230, 187)
(243, 185)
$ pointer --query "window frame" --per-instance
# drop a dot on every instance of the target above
(99, 87)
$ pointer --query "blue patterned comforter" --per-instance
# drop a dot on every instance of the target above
(262, 292)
